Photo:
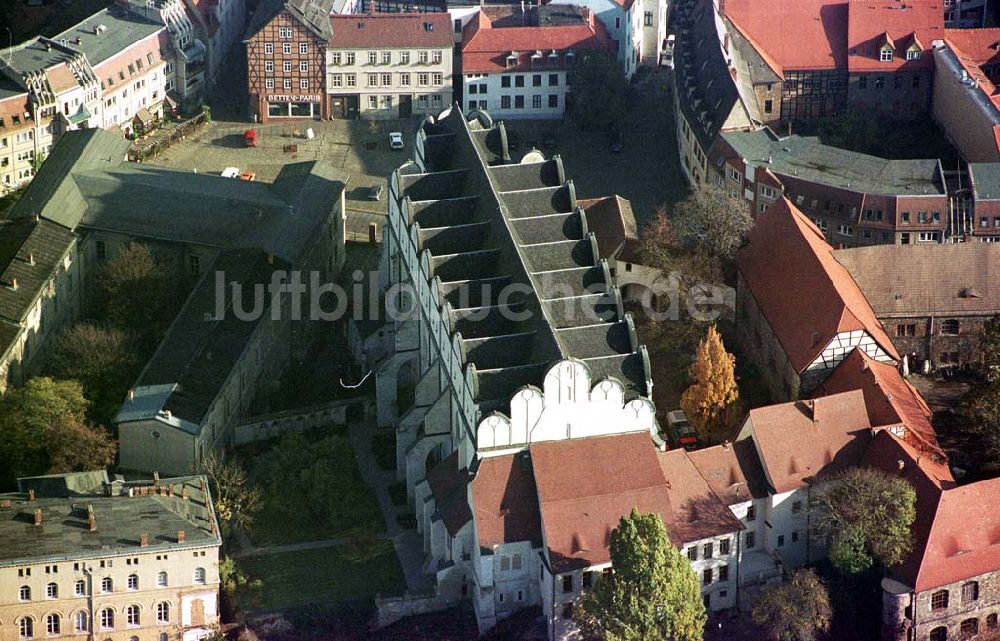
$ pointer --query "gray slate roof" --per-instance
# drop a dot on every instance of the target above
(30, 251)
(809, 159)
(64, 533)
(489, 225)
(985, 179)
(122, 29)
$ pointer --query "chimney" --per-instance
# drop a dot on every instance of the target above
(131, 394)
(184, 492)
(170, 490)
(38, 516)
(31, 259)
(13, 284)
(725, 445)
(212, 528)
(372, 233)
(811, 406)
(181, 536)
(900, 464)
(91, 521)
(31, 494)
(156, 477)
(143, 540)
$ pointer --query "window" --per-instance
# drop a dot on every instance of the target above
(422, 79)
(404, 57)
(949, 327)
(372, 57)
(505, 81)
(199, 576)
(269, 83)
(351, 80)
(751, 513)
(303, 66)
(504, 563)
(404, 80)
(336, 80)
(269, 66)
(588, 579)
(724, 547)
(913, 54)
(536, 102)
(335, 58)
(436, 57)
(162, 612)
(516, 562)
(795, 536)
(781, 540)
(618, 23)
(796, 507)
(908, 329)
(886, 54)
(51, 591)
(768, 106)
(991, 621)
(693, 553)
(969, 627)
(133, 579)
(553, 101)
(161, 580)
(303, 83)
(268, 48)
(518, 81)
(438, 79)
(505, 102)
(286, 66)
(80, 621)
(107, 619)
(372, 80)
(939, 633)
(567, 582)
(939, 600)
(106, 584)
(709, 550)
(723, 572)
(286, 48)
(422, 57)
(27, 627)
(303, 47)
(386, 79)
(132, 615)
(706, 576)
(518, 102)
(567, 611)
(284, 32)
(80, 588)
(52, 624)
(647, 19)
(536, 80)
(24, 594)
(350, 57)
(287, 83)
(970, 591)
(845, 230)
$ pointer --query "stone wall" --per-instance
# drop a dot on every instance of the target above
(392, 609)
(959, 610)
(271, 425)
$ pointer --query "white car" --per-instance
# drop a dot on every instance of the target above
(395, 140)
(231, 172)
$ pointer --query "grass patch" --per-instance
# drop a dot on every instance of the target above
(327, 575)
(397, 493)
(312, 491)
(384, 449)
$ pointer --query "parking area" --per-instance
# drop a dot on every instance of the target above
(360, 149)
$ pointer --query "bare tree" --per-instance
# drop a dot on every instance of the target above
(237, 500)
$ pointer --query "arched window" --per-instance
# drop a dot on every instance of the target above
(950, 327)
(107, 584)
(991, 621)
(939, 601)
(969, 627)
(51, 591)
(939, 634)
(80, 621)
(161, 580)
(133, 639)
(162, 612)
(133, 582)
(24, 593)
(970, 591)
(199, 576)
(80, 588)
(52, 624)
(132, 615)
(163, 636)
(107, 619)
(27, 627)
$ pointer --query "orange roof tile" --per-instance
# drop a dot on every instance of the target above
(505, 501)
(899, 23)
(796, 35)
(807, 296)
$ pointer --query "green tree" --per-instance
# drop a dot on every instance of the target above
(713, 219)
(237, 587)
(136, 292)
(599, 89)
(713, 390)
(651, 595)
(103, 359)
(796, 610)
(237, 500)
(990, 346)
(980, 412)
(44, 430)
(868, 514)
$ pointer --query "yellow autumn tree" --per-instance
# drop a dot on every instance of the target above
(713, 389)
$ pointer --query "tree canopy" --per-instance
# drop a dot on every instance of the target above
(713, 390)
(237, 499)
(136, 292)
(980, 411)
(712, 219)
(599, 89)
(868, 514)
(796, 610)
(651, 595)
(44, 430)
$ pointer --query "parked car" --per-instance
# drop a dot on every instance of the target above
(250, 138)
(681, 432)
(667, 57)
(375, 193)
(231, 172)
(248, 175)
(395, 140)
(617, 141)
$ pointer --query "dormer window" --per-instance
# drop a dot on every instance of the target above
(912, 53)
(512, 59)
(570, 57)
(885, 54)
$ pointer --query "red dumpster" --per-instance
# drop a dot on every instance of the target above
(250, 138)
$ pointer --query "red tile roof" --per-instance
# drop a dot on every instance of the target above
(16, 105)
(732, 471)
(899, 23)
(807, 296)
(451, 497)
(389, 30)
(485, 47)
(586, 485)
(794, 35)
(956, 536)
(802, 439)
(505, 501)
(612, 221)
(158, 45)
(61, 78)
(891, 401)
(975, 48)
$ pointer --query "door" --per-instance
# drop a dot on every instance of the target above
(405, 106)
(352, 106)
(198, 612)
(338, 107)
